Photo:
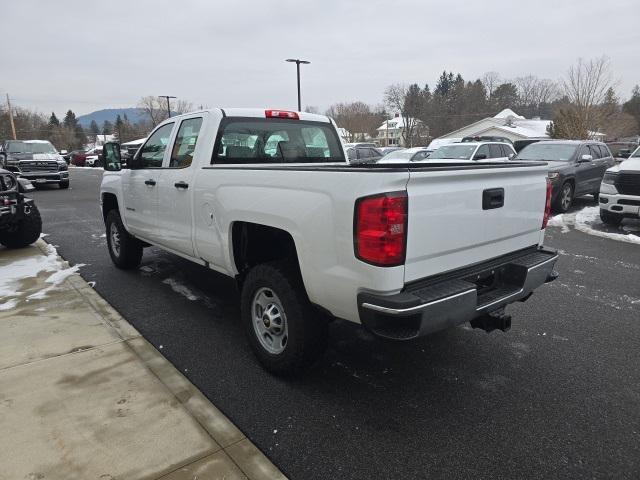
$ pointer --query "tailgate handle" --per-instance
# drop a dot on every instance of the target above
(492, 198)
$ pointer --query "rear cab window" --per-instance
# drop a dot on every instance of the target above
(249, 140)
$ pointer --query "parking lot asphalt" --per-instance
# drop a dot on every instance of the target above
(558, 396)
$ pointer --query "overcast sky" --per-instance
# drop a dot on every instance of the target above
(86, 55)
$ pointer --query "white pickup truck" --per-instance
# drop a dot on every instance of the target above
(267, 197)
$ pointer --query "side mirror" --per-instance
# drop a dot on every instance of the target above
(111, 156)
(585, 158)
(511, 156)
(63, 152)
(479, 156)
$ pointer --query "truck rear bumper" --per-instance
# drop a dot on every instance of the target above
(437, 303)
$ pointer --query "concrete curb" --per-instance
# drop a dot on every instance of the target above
(246, 456)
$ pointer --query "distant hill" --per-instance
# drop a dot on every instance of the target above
(133, 114)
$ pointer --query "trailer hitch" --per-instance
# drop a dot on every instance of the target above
(496, 320)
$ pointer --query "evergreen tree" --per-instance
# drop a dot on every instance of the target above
(107, 128)
(119, 126)
(504, 96)
(53, 120)
(93, 128)
(80, 136)
(70, 120)
(632, 106)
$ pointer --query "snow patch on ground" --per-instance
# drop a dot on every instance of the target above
(180, 288)
(30, 267)
(558, 221)
(589, 217)
(588, 221)
(9, 304)
(75, 167)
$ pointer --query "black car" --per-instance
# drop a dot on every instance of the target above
(576, 167)
(37, 160)
(20, 222)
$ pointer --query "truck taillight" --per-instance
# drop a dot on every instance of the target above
(380, 229)
(281, 114)
(547, 206)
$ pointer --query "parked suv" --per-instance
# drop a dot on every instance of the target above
(576, 167)
(620, 191)
(37, 160)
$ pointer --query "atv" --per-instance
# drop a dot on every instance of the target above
(20, 222)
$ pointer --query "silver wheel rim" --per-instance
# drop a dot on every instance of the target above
(269, 321)
(566, 197)
(114, 234)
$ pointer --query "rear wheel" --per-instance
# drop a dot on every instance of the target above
(125, 250)
(284, 330)
(565, 198)
(610, 218)
(24, 232)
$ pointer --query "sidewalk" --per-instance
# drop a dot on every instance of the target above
(84, 396)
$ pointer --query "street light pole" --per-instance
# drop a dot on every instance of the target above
(297, 61)
(168, 107)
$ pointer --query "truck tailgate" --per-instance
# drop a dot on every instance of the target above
(449, 228)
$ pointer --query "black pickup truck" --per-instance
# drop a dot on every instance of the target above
(20, 222)
(37, 160)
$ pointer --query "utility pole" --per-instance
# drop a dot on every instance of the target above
(297, 61)
(13, 126)
(168, 107)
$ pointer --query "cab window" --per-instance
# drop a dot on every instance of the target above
(185, 143)
(152, 152)
(594, 151)
(496, 150)
(483, 150)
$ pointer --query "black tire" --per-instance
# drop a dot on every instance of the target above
(609, 218)
(64, 184)
(25, 232)
(596, 197)
(565, 198)
(128, 253)
(307, 330)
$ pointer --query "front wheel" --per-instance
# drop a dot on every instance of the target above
(64, 184)
(609, 218)
(125, 250)
(24, 232)
(284, 330)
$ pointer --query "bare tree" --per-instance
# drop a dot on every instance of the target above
(585, 86)
(404, 99)
(156, 109)
(357, 118)
(534, 93)
(491, 80)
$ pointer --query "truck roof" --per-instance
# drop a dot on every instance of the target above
(260, 113)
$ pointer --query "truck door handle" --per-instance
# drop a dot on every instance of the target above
(492, 198)
(150, 182)
(181, 184)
